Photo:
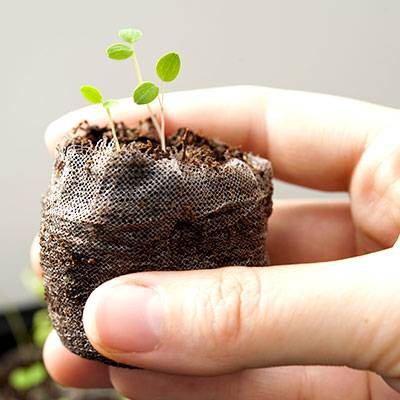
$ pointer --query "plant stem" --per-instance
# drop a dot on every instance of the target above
(152, 115)
(184, 144)
(162, 116)
(136, 65)
(113, 130)
(157, 126)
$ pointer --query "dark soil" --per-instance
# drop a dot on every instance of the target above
(192, 147)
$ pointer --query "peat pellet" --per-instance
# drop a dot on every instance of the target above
(198, 205)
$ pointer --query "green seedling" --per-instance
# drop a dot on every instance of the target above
(167, 69)
(119, 51)
(94, 96)
(23, 379)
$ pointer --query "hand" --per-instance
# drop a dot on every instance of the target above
(332, 297)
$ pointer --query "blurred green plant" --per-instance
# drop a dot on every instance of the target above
(24, 378)
(30, 377)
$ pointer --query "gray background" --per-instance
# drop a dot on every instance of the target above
(50, 48)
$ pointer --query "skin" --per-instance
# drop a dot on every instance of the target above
(323, 321)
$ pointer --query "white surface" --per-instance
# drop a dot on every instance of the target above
(50, 48)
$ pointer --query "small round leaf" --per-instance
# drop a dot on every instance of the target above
(168, 67)
(145, 93)
(119, 51)
(130, 35)
(91, 94)
(110, 103)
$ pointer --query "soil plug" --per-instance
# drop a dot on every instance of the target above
(191, 203)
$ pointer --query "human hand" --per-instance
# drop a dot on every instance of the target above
(223, 330)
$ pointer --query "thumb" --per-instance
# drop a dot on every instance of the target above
(216, 321)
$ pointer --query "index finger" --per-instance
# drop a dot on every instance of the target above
(311, 139)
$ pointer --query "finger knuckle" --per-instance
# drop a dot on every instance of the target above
(230, 304)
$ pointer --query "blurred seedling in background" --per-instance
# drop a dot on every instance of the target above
(34, 373)
(94, 96)
(167, 69)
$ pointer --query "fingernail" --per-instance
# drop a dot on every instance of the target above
(125, 318)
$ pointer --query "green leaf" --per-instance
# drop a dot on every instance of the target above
(168, 67)
(119, 51)
(91, 94)
(110, 103)
(25, 378)
(145, 93)
(130, 35)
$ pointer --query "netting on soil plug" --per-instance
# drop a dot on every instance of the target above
(199, 205)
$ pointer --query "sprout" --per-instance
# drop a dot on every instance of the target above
(22, 379)
(167, 68)
(131, 36)
(94, 96)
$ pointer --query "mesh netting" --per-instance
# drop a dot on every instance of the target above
(108, 214)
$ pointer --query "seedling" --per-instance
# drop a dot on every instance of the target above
(121, 51)
(33, 373)
(94, 96)
(24, 378)
(167, 69)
